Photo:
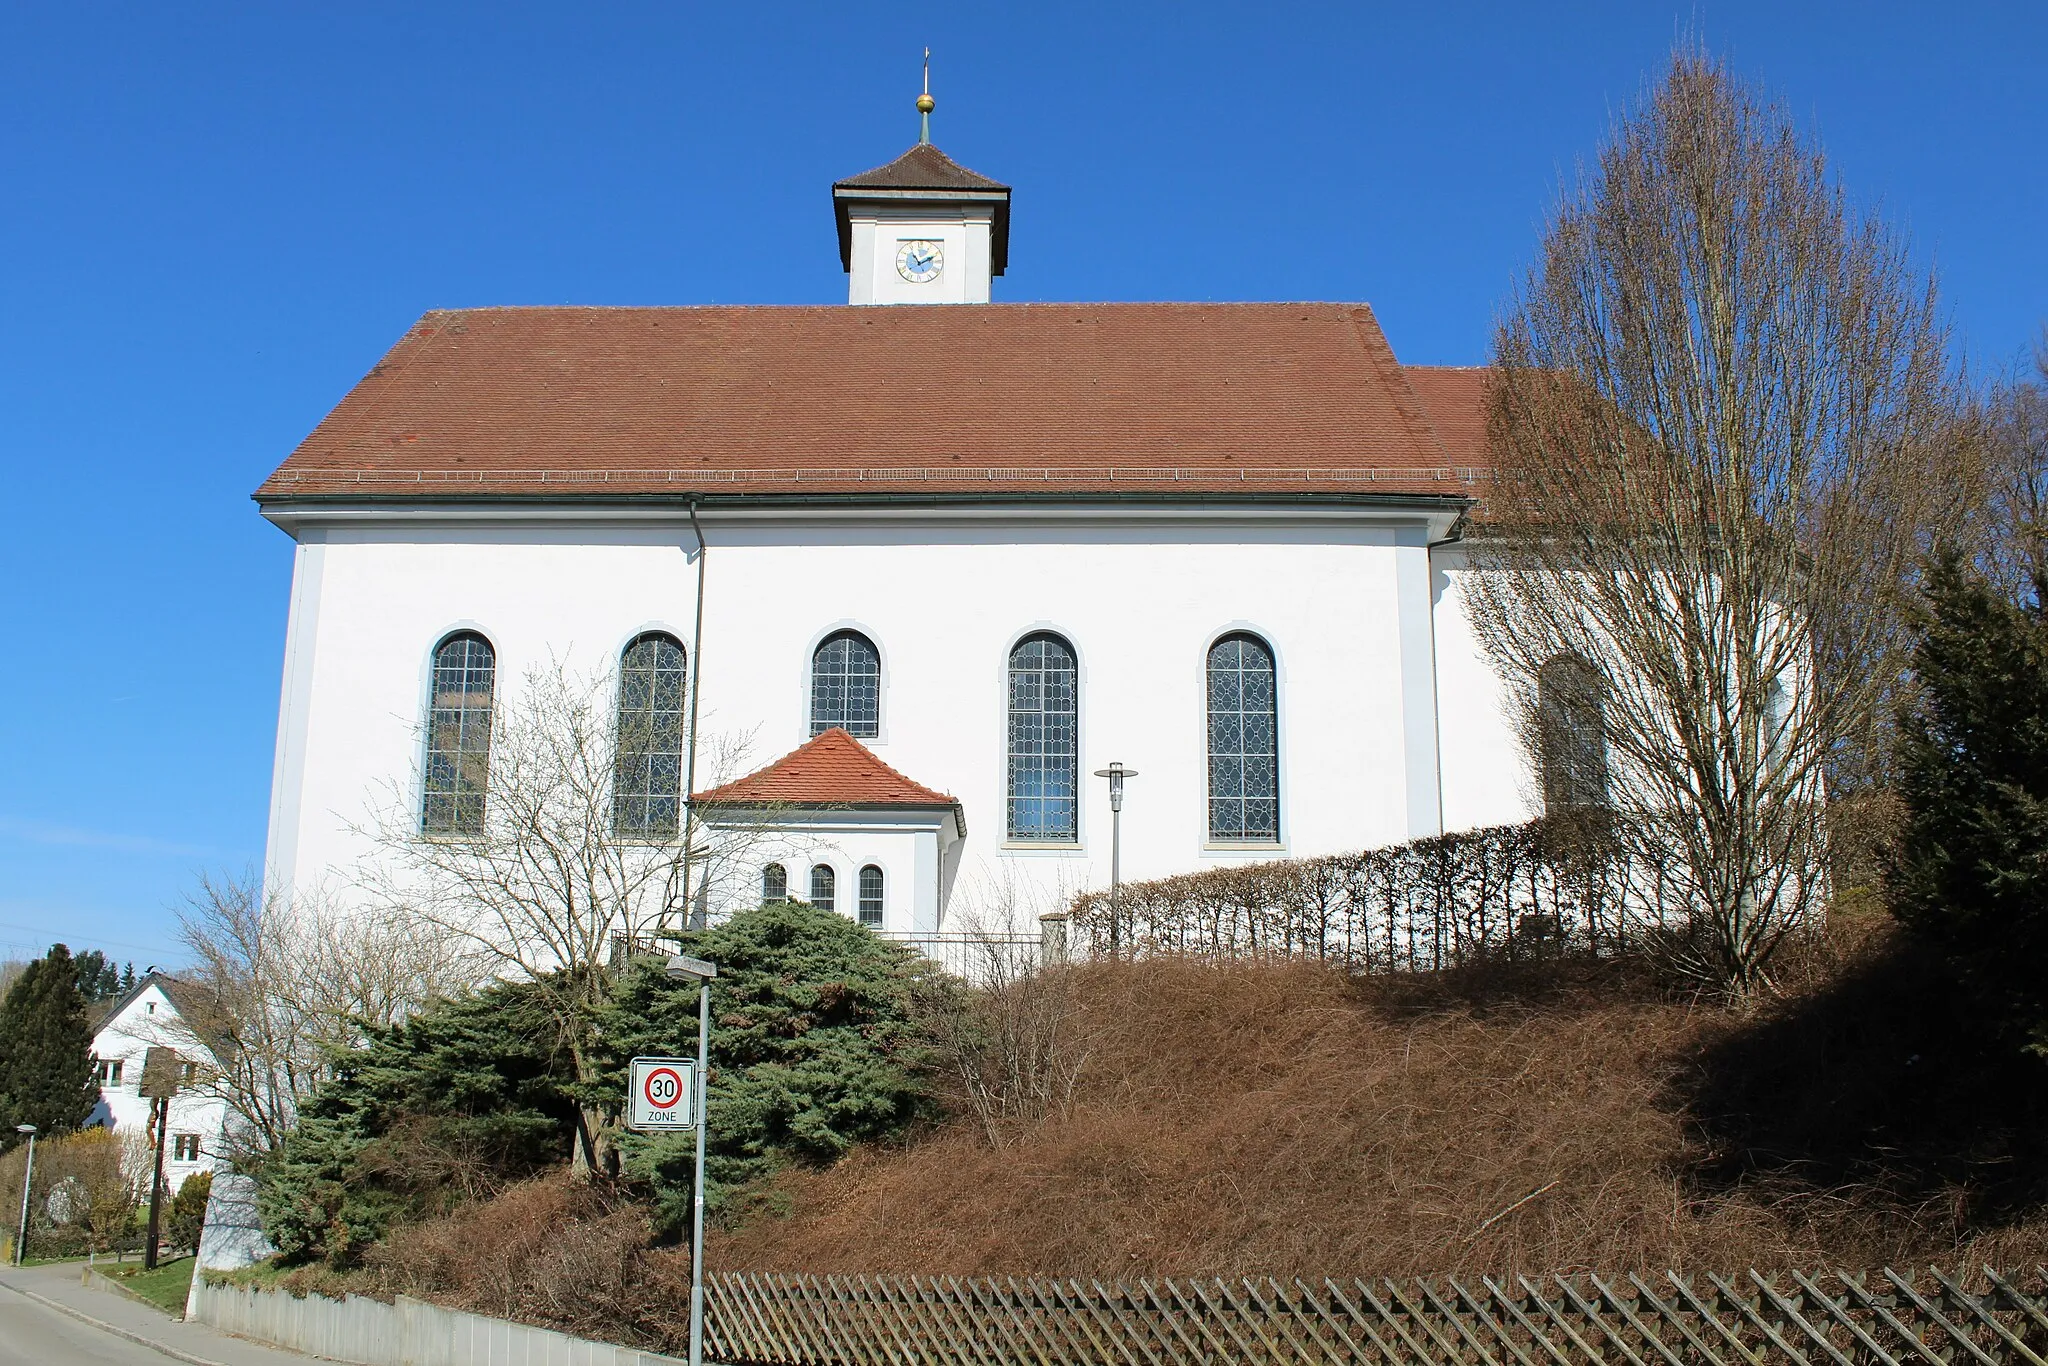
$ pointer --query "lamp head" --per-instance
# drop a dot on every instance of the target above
(683, 968)
(24, 1128)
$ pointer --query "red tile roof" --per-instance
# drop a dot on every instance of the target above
(830, 769)
(1455, 398)
(1204, 400)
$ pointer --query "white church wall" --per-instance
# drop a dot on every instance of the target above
(945, 598)
(1486, 779)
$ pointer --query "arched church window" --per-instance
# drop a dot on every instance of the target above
(1244, 741)
(824, 882)
(774, 883)
(647, 786)
(871, 895)
(846, 685)
(1044, 740)
(1571, 733)
(458, 759)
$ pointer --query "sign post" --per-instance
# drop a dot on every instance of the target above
(650, 1087)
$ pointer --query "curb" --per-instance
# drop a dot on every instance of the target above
(113, 1328)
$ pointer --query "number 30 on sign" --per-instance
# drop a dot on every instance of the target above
(663, 1094)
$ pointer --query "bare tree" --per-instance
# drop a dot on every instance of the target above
(2011, 421)
(280, 984)
(1011, 1034)
(543, 874)
(1720, 419)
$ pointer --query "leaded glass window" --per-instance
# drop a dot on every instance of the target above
(1244, 741)
(458, 758)
(824, 882)
(1045, 733)
(774, 883)
(846, 685)
(648, 786)
(871, 895)
(1571, 732)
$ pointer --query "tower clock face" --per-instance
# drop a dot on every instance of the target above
(920, 262)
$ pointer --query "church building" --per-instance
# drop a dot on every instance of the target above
(928, 560)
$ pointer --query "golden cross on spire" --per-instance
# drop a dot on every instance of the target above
(925, 102)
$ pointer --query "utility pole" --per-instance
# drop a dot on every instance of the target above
(159, 1084)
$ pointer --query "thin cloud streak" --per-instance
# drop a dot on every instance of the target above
(45, 832)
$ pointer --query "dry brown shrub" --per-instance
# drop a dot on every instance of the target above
(552, 1251)
(1290, 1120)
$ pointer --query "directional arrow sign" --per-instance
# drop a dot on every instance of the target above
(663, 1094)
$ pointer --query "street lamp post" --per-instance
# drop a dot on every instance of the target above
(682, 968)
(27, 1175)
(1116, 773)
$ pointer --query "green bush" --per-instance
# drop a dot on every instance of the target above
(188, 1211)
(813, 1049)
(447, 1106)
(1971, 870)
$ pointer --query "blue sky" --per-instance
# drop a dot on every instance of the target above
(218, 217)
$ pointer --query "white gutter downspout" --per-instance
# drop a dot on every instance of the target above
(696, 691)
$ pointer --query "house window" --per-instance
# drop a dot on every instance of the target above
(823, 882)
(188, 1073)
(1244, 741)
(1044, 740)
(108, 1071)
(458, 736)
(774, 883)
(871, 895)
(1571, 734)
(648, 785)
(846, 685)
(184, 1147)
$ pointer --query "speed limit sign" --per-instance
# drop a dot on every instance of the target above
(663, 1094)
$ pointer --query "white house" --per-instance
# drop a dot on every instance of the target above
(996, 546)
(149, 1017)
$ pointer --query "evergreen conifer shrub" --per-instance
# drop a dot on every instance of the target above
(1971, 869)
(813, 1049)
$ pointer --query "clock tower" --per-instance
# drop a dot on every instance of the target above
(923, 229)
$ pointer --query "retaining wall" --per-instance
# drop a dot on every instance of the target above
(405, 1333)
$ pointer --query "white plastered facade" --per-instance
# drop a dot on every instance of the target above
(1390, 723)
(149, 1019)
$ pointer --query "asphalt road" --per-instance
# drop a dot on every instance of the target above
(32, 1335)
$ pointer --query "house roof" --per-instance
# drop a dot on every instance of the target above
(831, 769)
(957, 400)
(188, 1000)
(924, 172)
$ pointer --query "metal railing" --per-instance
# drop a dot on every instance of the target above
(1825, 1319)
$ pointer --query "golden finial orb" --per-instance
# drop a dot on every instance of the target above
(925, 104)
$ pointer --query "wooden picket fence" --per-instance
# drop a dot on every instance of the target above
(1825, 1319)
